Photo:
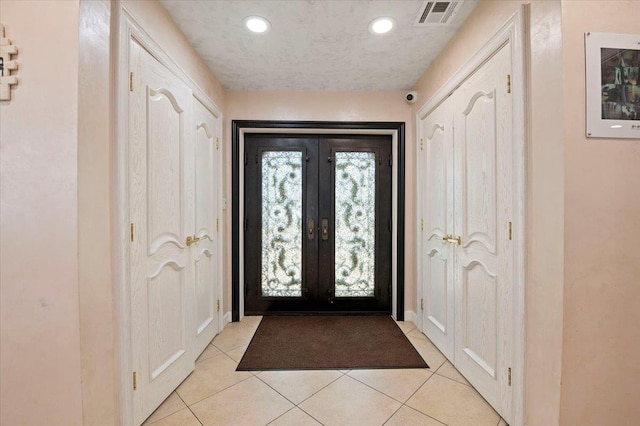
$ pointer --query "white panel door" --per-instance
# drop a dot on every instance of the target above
(205, 252)
(437, 263)
(159, 202)
(483, 208)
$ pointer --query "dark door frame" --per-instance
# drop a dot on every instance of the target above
(237, 128)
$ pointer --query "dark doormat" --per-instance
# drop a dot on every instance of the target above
(329, 342)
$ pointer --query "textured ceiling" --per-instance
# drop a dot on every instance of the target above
(313, 45)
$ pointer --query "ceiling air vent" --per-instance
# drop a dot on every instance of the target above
(436, 12)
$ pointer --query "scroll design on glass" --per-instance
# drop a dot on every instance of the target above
(282, 223)
(355, 224)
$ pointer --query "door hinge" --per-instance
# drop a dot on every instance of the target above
(421, 144)
(508, 83)
(510, 231)
(390, 225)
(217, 143)
(131, 232)
(131, 81)
(256, 158)
(217, 224)
(218, 305)
(245, 223)
(422, 224)
(246, 159)
(390, 160)
(422, 304)
(509, 376)
(135, 380)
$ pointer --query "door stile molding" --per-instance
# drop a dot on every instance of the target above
(126, 28)
(513, 32)
(240, 127)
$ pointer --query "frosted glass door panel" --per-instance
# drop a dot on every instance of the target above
(355, 224)
(282, 223)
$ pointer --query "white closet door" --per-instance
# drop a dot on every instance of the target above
(159, 202)
(437, 204)
(483, 209)
(205, 252)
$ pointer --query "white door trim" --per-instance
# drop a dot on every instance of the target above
(318, 131)
(512, 32)
(128, 29)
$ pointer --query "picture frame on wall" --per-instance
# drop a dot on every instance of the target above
(613, 89)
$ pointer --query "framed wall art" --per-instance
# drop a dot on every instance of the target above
(613, 93)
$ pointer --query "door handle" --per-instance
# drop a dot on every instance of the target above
(310, 229)
(451, 239)
(325, 229)
(192, 240)
(444, 239)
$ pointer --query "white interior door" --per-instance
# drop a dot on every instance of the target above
(159, 202)
(437, 261)
(205, 252)
(483, 209)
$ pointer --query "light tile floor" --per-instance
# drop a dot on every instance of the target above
(216, 394)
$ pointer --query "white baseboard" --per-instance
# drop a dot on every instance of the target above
(411, 316)
(226, 319)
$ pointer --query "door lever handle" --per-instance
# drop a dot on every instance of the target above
(192, 240)
(456, 240)
(450, 239)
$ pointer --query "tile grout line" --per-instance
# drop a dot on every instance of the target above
(189, 408)
(296, 405)
(447, 377)
(308, 414)
(426, 415)
(393, 414)
(415, 409)
(377, 390)
(271, 422)
(223, 389)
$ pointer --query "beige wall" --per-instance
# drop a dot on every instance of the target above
(39, 318)
(600, 369)
(96, 293)
(545, 219)
(324, 106)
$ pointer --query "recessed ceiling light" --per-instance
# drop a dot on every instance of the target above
(257, 24)
(381, 25)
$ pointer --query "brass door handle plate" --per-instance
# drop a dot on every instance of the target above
(310, 229)
(325, 229)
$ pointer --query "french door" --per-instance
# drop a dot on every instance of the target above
(173, 187)
(317, 224)
(467, 250)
